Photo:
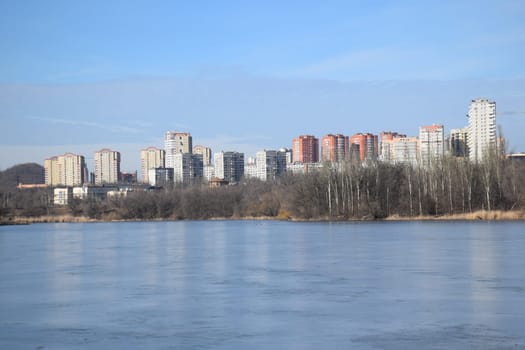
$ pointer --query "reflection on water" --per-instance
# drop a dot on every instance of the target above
(484, 266)
(240, 285)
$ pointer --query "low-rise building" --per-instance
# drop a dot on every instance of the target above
(303, 168)
(62, 195)
(216, 182)
(517, 157)
(160, 177)
(92, 192)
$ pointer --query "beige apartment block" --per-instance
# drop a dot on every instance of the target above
(151, 158)
(65, 170)
(107, 166)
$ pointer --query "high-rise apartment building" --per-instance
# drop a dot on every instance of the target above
(481, 128)
(334, 148)
(107, 166)
(151, 158)
(197, 168)
(305, 149)
(384, 150)
(208, 172)
(160, 177)
(65, 170)
(288, 153)
(458, 142)
(229, 166)
(176, 142)
(431, 143)
(205, 152)
(404, 149)
(270, 164)
(367, 145)
(188, 168)
(182, 168)
(250, 168)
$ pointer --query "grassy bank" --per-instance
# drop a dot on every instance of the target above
(493, 215)
(23, 220)
(484, 215)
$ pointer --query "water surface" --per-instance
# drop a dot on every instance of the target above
(263, 285)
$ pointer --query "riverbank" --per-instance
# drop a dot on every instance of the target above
(482, 215)
(25, 220)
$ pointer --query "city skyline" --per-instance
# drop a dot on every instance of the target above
(239, 76)
(390, 146)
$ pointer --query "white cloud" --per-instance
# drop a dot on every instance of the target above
(397, 63)
(347, 61)
(108, 127)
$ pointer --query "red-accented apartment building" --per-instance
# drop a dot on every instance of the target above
(367, 145)
(305, 149)
(334, 148)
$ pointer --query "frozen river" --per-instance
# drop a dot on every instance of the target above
(263, 285)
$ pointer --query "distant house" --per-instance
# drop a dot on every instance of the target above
(216, 182)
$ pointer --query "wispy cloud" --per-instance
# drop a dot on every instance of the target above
(393, 63)
(109, 127)
(346, 61)
(511, 113)
(141, 123)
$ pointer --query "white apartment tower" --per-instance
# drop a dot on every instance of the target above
(208, 172)
(187, 168)
(107, 166)
(176, 142)
(270, 164)
(65, 170)
(431, 143)
(250, 168)
(229, 166)
(150, 158)
(404, 150)
(182, 168)
(481, 128)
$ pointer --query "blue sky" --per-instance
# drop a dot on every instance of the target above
(247, 75)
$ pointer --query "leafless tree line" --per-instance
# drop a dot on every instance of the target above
(344, 191)
(446, 186)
